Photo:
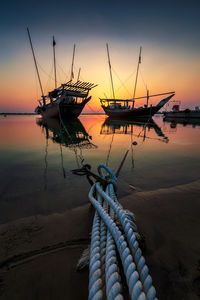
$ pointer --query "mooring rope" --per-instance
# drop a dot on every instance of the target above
(114, 236)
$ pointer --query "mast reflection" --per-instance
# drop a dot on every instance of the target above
(129, 127)
(111, 126)
(70, 134)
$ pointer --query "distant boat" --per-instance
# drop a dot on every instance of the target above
(183, 114)
(124, 109)
(67, 100)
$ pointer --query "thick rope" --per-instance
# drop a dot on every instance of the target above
(107, 239)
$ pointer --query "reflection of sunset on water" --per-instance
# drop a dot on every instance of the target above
(159, 145)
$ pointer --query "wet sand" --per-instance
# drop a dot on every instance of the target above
(38, 255)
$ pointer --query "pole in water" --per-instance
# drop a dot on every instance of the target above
(121, 164)
(34, 58)
(109, 63)
(139, 62)
(72, 67)
(54, 60)
(123, 160)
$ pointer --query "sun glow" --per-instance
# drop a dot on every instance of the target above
(161, 70)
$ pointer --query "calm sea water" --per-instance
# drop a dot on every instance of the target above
(37, 157)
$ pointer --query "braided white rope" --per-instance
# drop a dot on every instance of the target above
(103, 251)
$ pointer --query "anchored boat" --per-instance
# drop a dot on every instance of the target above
(124, 108)
(67, 100)
(183, 114)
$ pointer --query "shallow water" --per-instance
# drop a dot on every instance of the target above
(37, 157)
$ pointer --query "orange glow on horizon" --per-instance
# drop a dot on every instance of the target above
(162, 71)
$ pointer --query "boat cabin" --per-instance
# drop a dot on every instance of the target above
(70, 93)
(116, 103)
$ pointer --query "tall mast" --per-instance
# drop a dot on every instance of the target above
(79, 72)
(147, 97)
(36, 65)
(72, 72)
(139, 62)
(54, 60)
(110, 71)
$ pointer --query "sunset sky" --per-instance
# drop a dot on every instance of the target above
(168, 31)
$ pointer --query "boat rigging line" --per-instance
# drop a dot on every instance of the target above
(45, 160)
(109, 63)
(62, 164)
(139, 62)
(79, 71)
(72, 67)
(35, 62)
(108, 155)
(54, 60)
(122, 83)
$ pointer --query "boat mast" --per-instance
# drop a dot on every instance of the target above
(79, 72)
(72, 67)
(109, 63)
(147, 97)
(139, 62)
(54, 60)
(38, 75)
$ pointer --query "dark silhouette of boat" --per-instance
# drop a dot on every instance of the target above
(67, 100)
(124, 109)
(120, 109)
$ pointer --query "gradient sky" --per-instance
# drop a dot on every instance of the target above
(168, 31)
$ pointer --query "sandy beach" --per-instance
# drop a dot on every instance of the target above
(38, 255)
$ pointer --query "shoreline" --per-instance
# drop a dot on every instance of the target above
(167, 218)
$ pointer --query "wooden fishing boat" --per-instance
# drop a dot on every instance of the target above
(120, 108)
(67, 100)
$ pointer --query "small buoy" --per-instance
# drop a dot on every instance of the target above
(134, 143)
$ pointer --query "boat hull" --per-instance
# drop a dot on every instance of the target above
(135, 113)
(139, 113)
(65, 110)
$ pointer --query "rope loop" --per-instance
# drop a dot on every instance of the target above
(109, 177)
(114, 237)
(104, 180)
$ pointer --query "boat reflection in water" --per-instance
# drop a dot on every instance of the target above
(129, 127)
(70, 134)
(184, 121)
(111, 126)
